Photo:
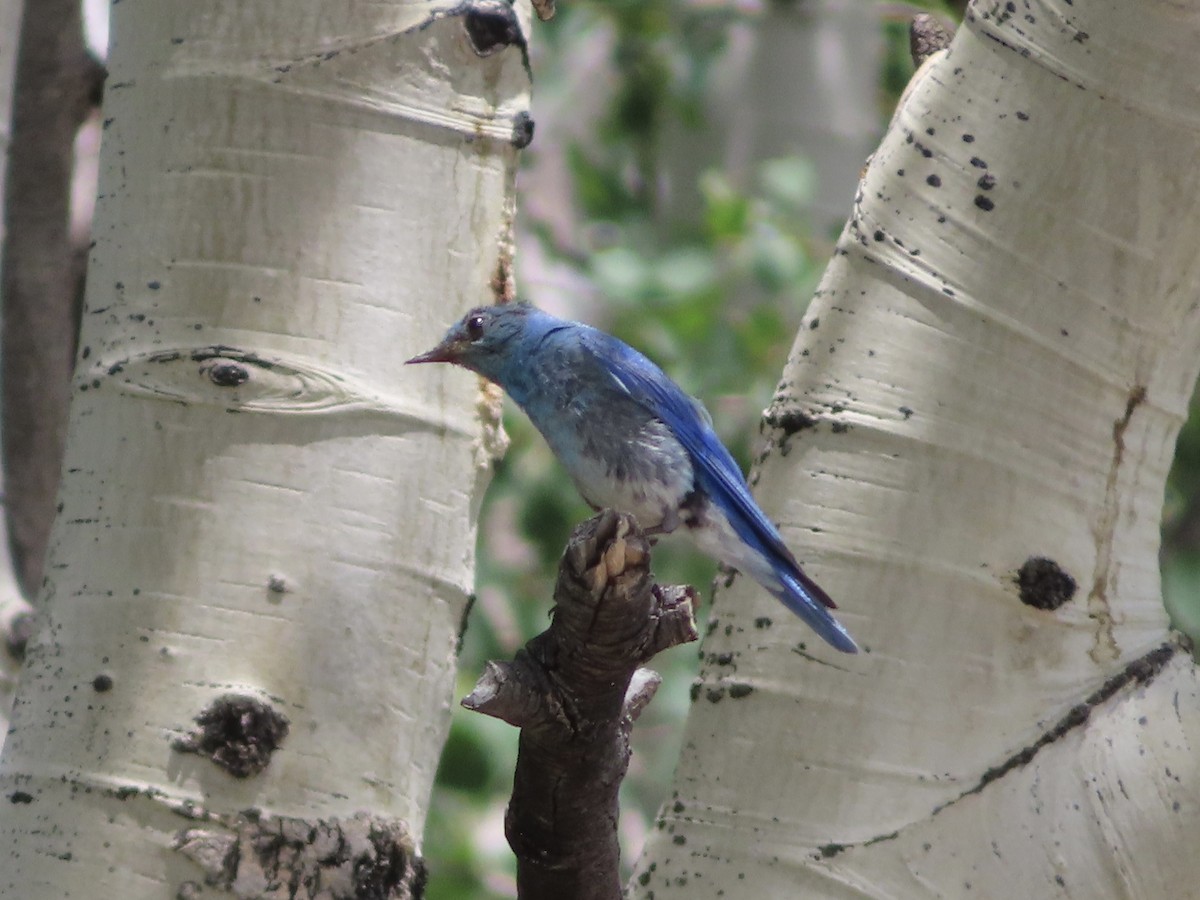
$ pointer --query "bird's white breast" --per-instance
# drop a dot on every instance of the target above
(649, 478)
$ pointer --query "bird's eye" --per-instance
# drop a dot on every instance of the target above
(475, 327)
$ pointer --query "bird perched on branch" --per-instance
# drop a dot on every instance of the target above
(633, 441)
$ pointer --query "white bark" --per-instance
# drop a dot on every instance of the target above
(997, 365)
(12, 604)
(259, 499)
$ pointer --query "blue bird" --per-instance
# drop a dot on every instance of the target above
(632, 440)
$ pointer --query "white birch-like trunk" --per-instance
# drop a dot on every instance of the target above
(259, 499)
(995, 369)
(12, 604)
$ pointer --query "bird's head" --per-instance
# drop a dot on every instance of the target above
(484, 340)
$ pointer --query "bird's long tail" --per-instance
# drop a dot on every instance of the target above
(804, 597)
(751, 545)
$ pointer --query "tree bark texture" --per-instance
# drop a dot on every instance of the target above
(968, 449)
(257, 578)
(575, 691)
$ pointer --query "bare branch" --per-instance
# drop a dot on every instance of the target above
(575, 691)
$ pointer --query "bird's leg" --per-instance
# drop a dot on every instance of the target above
(670, 521)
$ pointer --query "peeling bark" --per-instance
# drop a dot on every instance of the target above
(256, 856)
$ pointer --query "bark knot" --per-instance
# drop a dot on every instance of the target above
(238, 733)
(1044, 584)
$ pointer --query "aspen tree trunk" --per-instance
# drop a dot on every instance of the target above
(968, 450)
(12, 604)
(263, 556)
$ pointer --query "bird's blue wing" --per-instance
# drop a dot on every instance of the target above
(716, 470)
(717, 475)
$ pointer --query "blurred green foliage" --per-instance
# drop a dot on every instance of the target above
(716, 301)
(1181, 530)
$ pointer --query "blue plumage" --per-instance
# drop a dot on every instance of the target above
(632, 440)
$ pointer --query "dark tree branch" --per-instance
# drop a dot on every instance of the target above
(57, 82)
(574, 692)
(927, 34)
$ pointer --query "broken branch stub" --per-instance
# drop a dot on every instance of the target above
(575, 691)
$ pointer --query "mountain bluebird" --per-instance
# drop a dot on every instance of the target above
(632, 440)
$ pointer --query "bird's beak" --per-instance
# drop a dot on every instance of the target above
(446, 351)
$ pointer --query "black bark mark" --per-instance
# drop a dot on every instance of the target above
(237, 733)
(1139, 672)
(16, 638)
(491, 26)
(1044, 584)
